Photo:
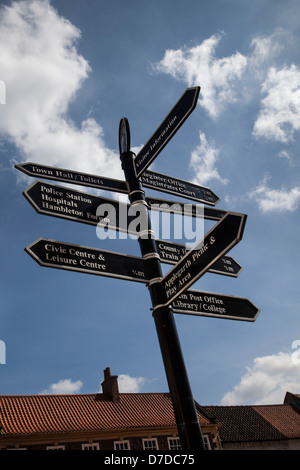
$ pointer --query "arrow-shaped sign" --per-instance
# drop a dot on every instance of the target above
(67, 256)
(184, 189)
(215, 305)
(73, 177)
(171, 253)
(66, 203)
(167, 129)
(69, 204)
(180, 208)
(149, 179)
(82, 259)
(215, 244)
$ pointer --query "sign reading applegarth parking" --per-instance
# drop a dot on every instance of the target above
(171, 185)
(166, 130)
(73, 177)
(55, 254)
(215, 305)
(220, 239)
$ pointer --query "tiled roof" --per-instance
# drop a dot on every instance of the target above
(256, 423)
(38, 414)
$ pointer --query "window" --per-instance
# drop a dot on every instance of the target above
(121, 445)
(150, 444)
(93, 446)
(62, 447)
(206, 443)
(174, 443)
(17, 448)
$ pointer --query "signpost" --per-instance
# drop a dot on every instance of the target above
(166, 130)
(67, 256)
(215, 305)
(168, 293)
(171, 253)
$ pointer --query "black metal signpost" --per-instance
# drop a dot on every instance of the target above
(169, 293)
(184, 406)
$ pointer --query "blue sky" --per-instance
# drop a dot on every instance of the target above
(69, 71)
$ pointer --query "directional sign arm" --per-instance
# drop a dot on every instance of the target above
(216, 243)
(167, 129)
(215, 305)
(171, 253)
(181, 188)
(72, 177)
(71, 257)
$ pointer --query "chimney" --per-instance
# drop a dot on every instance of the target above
(110, 386)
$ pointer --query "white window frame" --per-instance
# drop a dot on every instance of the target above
(58, 447)
(173, 446)
(206, 442)
(90, 446)
(148, 439)
(121, 443)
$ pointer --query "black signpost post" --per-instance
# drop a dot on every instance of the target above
(169, 293)
(184, 406)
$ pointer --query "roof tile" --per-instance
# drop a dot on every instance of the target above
(36, 414)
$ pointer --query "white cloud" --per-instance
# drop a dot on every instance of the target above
(203, 162)
(267, 380)
(43, 73)
(199, 66)
(266, 48)
(279, 116)
(64, 386)
(129, 384)
(275, 200)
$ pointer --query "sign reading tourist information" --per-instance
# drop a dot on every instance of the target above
(171, 253)
(178, 187)
(73, 177)
(166, 130)
(220, 239)
(55, 254)
(215, 305)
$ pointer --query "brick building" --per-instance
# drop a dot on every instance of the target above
(103, 421)
(259, 427)
(139, 421)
